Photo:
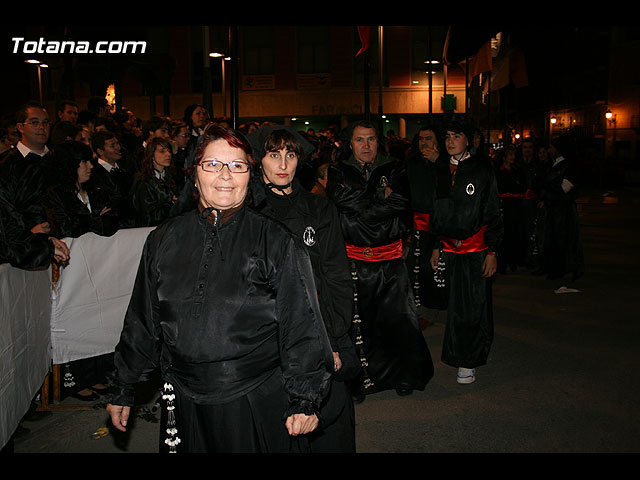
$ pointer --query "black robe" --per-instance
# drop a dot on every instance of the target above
(23, 183)
(314, 220)
(152, 199)
(227, 311)
(559, 234)
(385, 329)
(20, 248)
(70, 217)
(428, 291)
(466, 203)
(511, 189)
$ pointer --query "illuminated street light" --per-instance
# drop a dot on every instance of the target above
(224, 82)
(41, 65)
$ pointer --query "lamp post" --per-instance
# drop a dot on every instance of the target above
(223, 58)
(612, 120)
(40, 65)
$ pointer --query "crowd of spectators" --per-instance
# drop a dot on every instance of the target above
(73, 171)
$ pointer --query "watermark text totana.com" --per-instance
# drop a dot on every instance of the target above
(20, 45)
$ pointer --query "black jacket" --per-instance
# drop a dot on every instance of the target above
(221, 308)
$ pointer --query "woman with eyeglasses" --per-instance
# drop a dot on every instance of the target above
(224, 303)
(312, 218)
(154, 189)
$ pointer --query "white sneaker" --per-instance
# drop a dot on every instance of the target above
(466, 375)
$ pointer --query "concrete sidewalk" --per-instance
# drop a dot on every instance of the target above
(561, 378)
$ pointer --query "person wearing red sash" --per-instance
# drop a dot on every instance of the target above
(511, 189)
(371, 194)
(428, 287)
(466, 220)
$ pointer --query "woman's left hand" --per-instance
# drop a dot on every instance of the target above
(299, 424)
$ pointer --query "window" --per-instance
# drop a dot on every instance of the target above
(313, 49)
(258, 50)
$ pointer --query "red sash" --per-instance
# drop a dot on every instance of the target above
(375, 254)
(421, 221)
(510, 195)
(475, 243)
(529, 194)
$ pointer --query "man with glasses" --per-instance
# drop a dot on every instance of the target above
(26, 172)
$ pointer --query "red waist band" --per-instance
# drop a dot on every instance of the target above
(375, 254)
(510, 195)
(421, 221)
(475, 243)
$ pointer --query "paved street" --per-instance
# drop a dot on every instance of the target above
(562, 376)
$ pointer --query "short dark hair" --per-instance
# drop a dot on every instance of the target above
(98, 138)
(154, 123)
(64, 103)
(21, 113)
(282, 139)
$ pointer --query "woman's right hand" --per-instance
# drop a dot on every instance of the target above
(119, 416)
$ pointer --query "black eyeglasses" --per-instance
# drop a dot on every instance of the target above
(215, 166)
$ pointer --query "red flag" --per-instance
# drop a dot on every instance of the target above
(365, 38)
(481, 62)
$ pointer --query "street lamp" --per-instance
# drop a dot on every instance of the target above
(224, 86)
(41, 65)
(610, 116)
(612, 119)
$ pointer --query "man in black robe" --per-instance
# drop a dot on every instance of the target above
(562, 251)
(429, 290)
(26, 172)
(467, 222)
(371, 194)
